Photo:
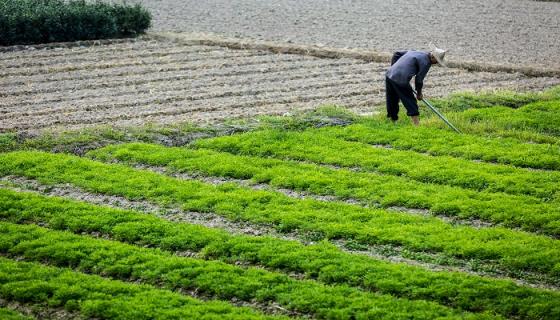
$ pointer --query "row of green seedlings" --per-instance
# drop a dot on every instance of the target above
(439, 142)
(320, 147)
(535, 122)
(9, 314)
(94, 297)
(512, 250)
(211, 278)
(370, 188)
(322, 261)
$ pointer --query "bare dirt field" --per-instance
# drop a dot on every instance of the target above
(499, 31)
(158, 81)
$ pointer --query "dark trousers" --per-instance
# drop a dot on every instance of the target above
(396, 92)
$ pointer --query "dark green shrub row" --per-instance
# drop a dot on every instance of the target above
(42, 21)
(510, 249)
(213, 278)
(97, 298)
(321, 261)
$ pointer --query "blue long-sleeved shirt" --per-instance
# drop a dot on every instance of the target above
(408, 64)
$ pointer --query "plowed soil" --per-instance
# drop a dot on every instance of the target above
(514, 31)
(149, 81)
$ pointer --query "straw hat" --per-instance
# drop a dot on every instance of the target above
(439, 54)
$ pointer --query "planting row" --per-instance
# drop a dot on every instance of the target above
(32, 96)
(115, 45)
(322, 261)
(516, 251)
(197, 63)
(319, 146)
(104, 56)
(167, 110)
(445, 142)
(94, 297)
(205, 113)
(174, 81)
(208, 278)
(208, 59)
(175, 105)
(386, 190)
(183, 91)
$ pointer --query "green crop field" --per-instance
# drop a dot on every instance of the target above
(324, 215)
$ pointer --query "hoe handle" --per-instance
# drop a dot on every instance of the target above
(439, 114)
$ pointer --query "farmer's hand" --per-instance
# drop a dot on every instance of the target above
(419, 96)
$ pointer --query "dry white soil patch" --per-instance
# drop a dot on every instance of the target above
(498, 31)
(143, 81)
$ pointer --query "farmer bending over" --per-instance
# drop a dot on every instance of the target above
(404, 66)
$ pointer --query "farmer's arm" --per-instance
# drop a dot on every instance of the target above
(397, 55)
(423, 69)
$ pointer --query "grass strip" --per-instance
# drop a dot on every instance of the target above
(7, 314)
(220, 280)
(540, 117)
(372, 188)
(321, 261)
(513, 250)
(80, 141)
(321, 147)
(98, 298)
(533, 122)
(444, 142)
(491, 98)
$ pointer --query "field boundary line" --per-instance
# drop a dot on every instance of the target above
(81, 43)
(336, 53)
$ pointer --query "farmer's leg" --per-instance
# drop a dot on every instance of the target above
(409, 101)
(392, 100)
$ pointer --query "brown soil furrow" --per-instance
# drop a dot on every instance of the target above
(390, 253)
(40, 78)
(195, 73)
(511, 84)
(63, 68)
(334, 52)
(89, 50)
(32, 62)
(170, 106)
(12, 104)
(122, 97)
(363, 103)
(181, 113)
(84, 44)
(158, 84)
(192, 65)
(244, 105)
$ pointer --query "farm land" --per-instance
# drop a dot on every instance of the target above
(181, 175)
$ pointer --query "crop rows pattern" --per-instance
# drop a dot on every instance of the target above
(148, 81)
(367, 220)
(472, 219)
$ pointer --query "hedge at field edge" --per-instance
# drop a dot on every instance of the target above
(43, 21)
